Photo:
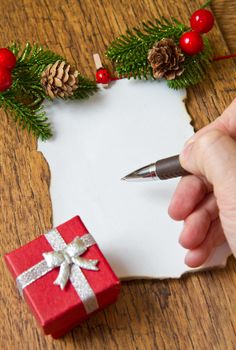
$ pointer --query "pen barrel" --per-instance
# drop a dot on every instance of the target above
(169, 168)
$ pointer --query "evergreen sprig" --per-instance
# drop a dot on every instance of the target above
(25, 97)
(33, 57)
(32, 119)
(129, 52)
(86, 88)
(195, 68)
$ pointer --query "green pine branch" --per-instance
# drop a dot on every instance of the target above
(129, 53)
(25, 97)
(86, 88)
(27, 87)
(32, 119)
(195, 68)
(33, 57)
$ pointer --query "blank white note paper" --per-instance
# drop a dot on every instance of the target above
(97, 142)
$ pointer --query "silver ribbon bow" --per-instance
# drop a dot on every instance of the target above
(66, 257)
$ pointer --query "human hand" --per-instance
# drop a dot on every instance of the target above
(206, 201)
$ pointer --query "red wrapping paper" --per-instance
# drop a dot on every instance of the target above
(56, 310)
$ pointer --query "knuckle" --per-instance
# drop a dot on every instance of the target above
(208, 141)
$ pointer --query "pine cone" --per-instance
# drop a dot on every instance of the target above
(166, 59)
(59, 79)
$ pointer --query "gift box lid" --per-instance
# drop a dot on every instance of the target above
(57, 309)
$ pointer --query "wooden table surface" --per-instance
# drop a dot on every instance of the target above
(195, 312)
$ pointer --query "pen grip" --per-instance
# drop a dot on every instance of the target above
(170, 167)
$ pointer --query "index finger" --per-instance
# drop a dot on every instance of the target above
(190, 191)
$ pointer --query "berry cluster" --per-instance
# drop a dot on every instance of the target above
(201, 22)
(7, 63)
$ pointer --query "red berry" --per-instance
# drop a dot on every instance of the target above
(202, 21)
(191, 43)
(7, 58)
(103, 76)
(5, 79)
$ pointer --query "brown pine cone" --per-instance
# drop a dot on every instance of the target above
(59, 80)
(166, 59)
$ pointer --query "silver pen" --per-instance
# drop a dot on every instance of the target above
(163, 169)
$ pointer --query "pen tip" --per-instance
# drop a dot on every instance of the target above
(144, 174)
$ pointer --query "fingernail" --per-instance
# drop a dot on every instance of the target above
(188, 258)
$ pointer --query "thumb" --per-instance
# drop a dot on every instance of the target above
(213, 155)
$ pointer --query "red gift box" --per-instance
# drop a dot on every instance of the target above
(56, 310)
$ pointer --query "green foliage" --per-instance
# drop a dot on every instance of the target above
(129, 52)
(195, 68)
(86, 88)
(32, 119)
(33, 58)
(24, 99)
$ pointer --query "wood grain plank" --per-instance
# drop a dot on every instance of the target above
(196, 312)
